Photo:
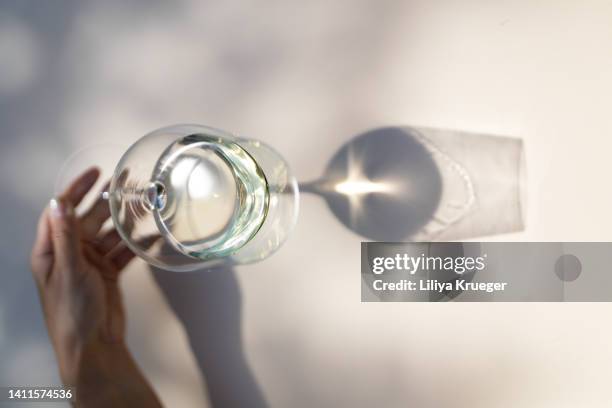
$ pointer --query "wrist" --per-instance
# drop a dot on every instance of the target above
(105, 374)
(94, 370)
(80, 362)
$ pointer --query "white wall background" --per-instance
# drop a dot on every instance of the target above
(306, 77)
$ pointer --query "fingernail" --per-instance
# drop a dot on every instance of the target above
(56, 208)
(59, 209)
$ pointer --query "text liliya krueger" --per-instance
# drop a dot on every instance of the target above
(431, 266)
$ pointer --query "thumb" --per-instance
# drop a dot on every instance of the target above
(64, 233)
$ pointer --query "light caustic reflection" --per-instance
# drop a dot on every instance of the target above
(357, 182)
(361, 187)
(357, 186)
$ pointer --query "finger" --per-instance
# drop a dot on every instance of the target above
(105, 266)
(108, 241)
(42, 250)
(77, 190)
(121, 258)
(42, 243)
(123, 255)
(96, 216)
(102, 264)
(64, 233)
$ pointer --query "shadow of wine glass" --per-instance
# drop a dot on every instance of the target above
(383, 184)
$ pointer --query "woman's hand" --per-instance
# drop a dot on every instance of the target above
(76, 268)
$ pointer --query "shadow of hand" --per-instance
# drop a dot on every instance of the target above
(208, 304)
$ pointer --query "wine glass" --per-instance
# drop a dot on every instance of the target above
(186, 197)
